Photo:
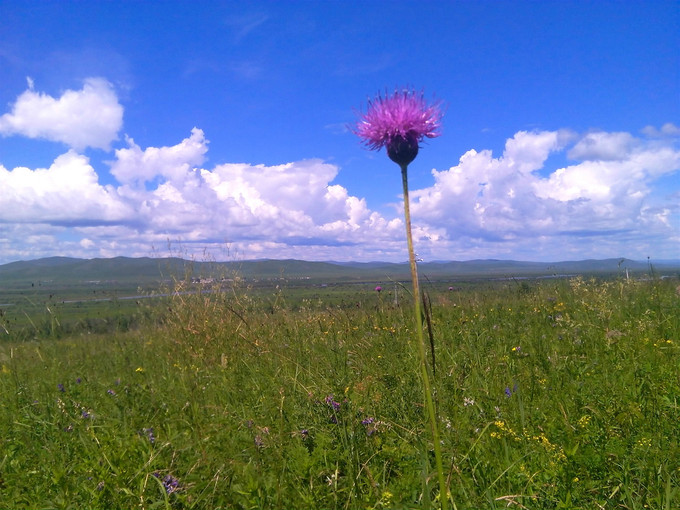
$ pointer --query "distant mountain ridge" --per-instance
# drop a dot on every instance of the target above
(146, 269)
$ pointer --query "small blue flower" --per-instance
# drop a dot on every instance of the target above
(508, 392)
(60, 387)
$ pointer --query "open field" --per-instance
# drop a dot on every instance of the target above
(552, 393)
(59, 296)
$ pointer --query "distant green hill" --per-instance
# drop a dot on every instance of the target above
(148, 270)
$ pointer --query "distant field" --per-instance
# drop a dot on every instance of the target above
(59, 296)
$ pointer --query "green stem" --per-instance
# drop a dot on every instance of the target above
(443, 492)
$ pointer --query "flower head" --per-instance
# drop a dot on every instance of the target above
(170, 483)
(399, 122)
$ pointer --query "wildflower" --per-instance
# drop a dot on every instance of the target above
(78, 380)
(259, 442)
(100, 485)
(85, 414)
(332, 403)
(139, 370)
(60, 387)
(149, 434)
(367, 421)
(111, 392)
(468, 401)
(399, 122)
(170, 483)
(378, 289)
(508, 392)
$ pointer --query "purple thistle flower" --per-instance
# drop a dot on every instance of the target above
(399, 122)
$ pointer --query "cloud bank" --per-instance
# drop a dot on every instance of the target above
(90, 117)
(605, 201)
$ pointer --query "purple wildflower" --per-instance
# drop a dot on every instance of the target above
(111, 392)
(378, 289)
(78, 380)
(399, 122)
(149, 434)
(370, 424)
(335, 405)
(60, 387)
(170, 483)
(508, 392)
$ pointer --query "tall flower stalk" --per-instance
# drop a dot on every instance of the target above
(399, 122)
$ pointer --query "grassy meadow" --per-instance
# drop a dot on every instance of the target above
(551, 394)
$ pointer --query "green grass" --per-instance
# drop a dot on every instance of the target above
(553, 394)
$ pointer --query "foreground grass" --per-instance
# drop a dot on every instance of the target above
(558, 395)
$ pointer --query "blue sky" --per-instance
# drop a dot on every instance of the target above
(219, 129)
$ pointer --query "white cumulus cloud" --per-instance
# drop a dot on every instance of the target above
(90, 117)
(134, 165)
(68, 192)
(506, 199)
(514, 205)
